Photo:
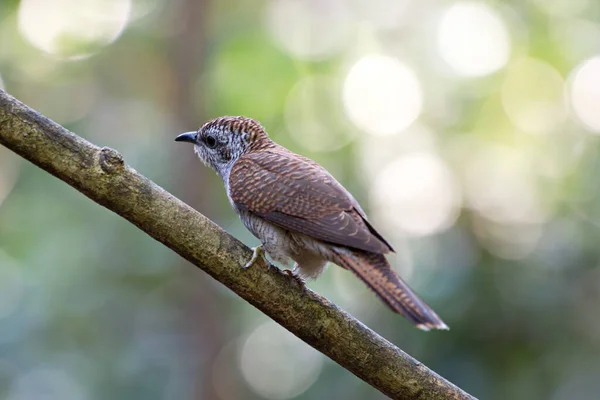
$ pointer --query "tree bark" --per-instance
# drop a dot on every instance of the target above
(102, 175)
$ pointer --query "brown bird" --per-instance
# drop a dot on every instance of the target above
(300, 212)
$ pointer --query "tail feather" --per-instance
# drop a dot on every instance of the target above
(375, 271)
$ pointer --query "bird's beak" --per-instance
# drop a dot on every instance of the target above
(187, 137)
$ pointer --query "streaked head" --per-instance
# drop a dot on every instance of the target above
(221, 141)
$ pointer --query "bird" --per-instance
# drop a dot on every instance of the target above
(300, 213)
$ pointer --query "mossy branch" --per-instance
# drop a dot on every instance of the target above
(102, 175)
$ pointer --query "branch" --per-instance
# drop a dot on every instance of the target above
(102, 175)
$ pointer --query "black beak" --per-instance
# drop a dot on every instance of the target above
(187, 137)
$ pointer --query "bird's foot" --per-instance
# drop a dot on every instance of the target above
(295, 277)
(257, 252)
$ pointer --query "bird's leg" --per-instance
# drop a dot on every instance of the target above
(257, 252)
(293, 273)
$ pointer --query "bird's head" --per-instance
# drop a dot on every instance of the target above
(221, 141)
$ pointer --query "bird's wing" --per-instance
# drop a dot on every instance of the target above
(297, 194)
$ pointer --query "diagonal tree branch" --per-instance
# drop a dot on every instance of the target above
(102, 175)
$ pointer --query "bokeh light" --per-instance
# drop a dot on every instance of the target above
(501, 185)
(585, 93)
(72, 29)
(375, 155)
(507, 240)
(278, 365)
(473, 39)
(382, 96)
(314, 115)
(417, 193)
(533, 96)
(309, 30)
(383, 14)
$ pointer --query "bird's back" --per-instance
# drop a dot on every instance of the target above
(299, 195)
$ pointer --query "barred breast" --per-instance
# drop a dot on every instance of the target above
(275, 240)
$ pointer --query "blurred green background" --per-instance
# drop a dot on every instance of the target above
(468, 131)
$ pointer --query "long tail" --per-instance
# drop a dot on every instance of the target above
(374, 270)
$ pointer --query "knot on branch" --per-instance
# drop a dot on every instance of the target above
(110, 160)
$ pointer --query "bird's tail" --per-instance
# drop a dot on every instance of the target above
(374, 270)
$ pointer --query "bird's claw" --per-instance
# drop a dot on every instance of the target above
(296, 278)
(257, 252)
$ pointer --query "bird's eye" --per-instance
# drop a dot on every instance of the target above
(211, 142)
